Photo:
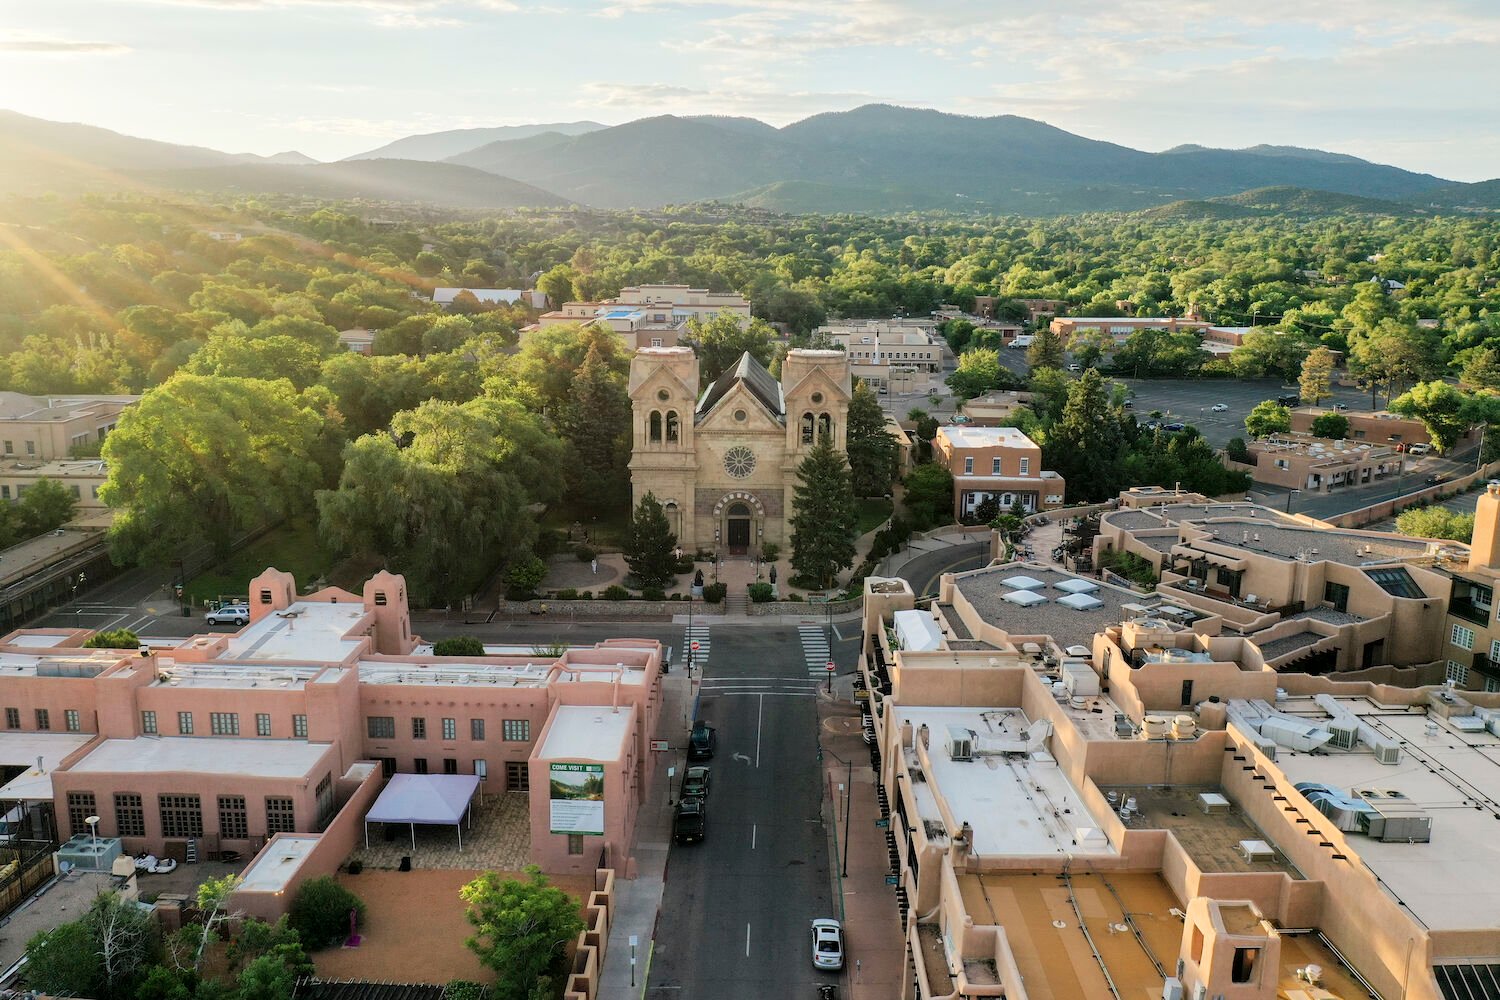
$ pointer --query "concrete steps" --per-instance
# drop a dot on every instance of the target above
(737, 602)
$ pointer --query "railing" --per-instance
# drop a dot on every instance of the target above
(1484, 665)
(1469, 611)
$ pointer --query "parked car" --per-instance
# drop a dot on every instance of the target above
(1174, 426)
(1435, 479)
(1290, 399)
(1341, 406)
(827, 944)
(1129, 404)
(690, 822)
(1219, 407)
(1075, 367)
(1420, 448)
(702, 741)
(695, 783)
(229, 614)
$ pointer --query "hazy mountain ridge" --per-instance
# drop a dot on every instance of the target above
(435, 146)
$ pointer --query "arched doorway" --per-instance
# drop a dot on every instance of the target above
(737, 525)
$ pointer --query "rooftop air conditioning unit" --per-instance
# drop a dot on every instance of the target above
(960, 743)
(1345, 734)
(1388, 754)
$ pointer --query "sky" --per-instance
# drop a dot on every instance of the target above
(1408, 82)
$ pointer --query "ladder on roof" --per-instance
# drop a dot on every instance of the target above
(191, 856)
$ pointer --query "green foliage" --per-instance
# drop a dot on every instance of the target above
(320, 912)
(770, 552)
(522, 578)
(823, 520)
(761, 593)
(46, 504)
(463, 989)
(1129, 565)
(720, 340)
(1315, 381)
(584, 553)
(458, 645)
(1151, 353)
(714, 593)
(65, 962)
(979, 370)
(1446, 411)
(871, 449)
(1436, 522)
(929, 496)
(615, 592)
(522, 928)
(1268, 417)
(1268, 354)
(651, 551)
(595, 422)
(1046, 350)
(1237, 451)
(119, 638)
(1330, 425)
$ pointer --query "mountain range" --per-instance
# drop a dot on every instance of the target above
(876, 159)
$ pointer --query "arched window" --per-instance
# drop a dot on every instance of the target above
(825, 426)
(672, 427)
(654, 433)
(807, 428)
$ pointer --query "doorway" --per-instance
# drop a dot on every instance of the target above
(738, 529)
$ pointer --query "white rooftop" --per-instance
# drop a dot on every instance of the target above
(456, 671)
(587, 732)
(73, 663)
(917, 630)
(22, 750)
(312, 631)
(37, 640)
(204, 755)
(171, 673)
(278, 863)
(970, 436)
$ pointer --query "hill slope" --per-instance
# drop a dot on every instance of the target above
(441, 145)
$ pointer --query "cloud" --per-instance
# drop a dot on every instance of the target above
(60, 46)
(410, 7)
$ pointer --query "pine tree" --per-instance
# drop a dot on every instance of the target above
(651, 551)
(1046, 350)
(823, 521)
(594, 420)
(1317, 376)
(871, 449)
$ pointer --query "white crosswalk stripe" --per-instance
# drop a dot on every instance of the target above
(815, 650)
(795, 687)
(691, 634)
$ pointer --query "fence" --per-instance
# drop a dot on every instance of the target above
(32, 869)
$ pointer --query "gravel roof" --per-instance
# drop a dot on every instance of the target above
(1067, 627)
(1280, 647)
(1328, 615)
(1333, 545)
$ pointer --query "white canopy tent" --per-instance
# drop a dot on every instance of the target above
(429, 799)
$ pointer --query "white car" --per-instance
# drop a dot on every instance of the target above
(230, 614)
(828, 944)
(1219, 407)
(1420, 448)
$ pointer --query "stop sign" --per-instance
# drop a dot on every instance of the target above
(694, 646)
(830, 666)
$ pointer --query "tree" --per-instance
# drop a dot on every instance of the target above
(45, 505)
(557, 285)
(522, 928)
(119, 638)
(1330, 425)
(871, 449)
(1090, 346)
(1268, 353)
(320, 911)
(1316, 379)
(720, 340)
(1481, 370)
(595, 422)
(122, 934)
(232, 353)
(1436, 522)
(651, 550)
(1046, 350)
(200, 459)
(1394, 354)
(1446, 411)
(540, 375)
(213, 910)
(978, 372)
(267, 978)
(929, 496)
(1268, 417)
(1085, 445)
(823, 518)
(65, 962)
(459, 645)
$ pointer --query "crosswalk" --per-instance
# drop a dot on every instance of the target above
(690, 634)
(795, 687)
(815, 650)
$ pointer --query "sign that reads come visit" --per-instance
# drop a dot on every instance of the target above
(578, 798)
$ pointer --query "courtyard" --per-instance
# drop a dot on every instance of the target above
(498, 838)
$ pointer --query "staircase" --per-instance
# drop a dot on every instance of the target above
(736, 603)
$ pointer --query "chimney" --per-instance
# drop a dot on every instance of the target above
(1484, 551)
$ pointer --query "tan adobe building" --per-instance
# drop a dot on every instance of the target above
(995, 462)
(993, 409)
(897, 356)
(1121, 327)
(1060, 825)
(1380, 427)
(1471, 656)
(43, 428)
(82, 477)
(651, 315)
(723, 462)
(1321, 465)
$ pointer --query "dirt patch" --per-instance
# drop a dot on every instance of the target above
(415, 928)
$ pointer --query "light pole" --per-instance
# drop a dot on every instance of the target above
(848, 789)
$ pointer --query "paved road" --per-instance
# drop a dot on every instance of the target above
(734, 919)
(924, 572)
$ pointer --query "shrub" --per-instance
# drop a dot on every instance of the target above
(653, 594)
(584, 553)
(567, 594)
(794, 598)
(463, 989)
(615, 592)
(770, 551)
(547, 544)
(523, 577)
(587, 595)
(760, 593)
(714, 593)
(320, 913)
(1237, 451)
(459, 645)
(120, 638)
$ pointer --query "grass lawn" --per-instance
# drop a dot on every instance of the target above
(872, 513)
(292, 547)
(607, 530)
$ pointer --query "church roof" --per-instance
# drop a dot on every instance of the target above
(760, 382)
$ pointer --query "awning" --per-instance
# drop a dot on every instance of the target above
(917, 631)
(428, 799)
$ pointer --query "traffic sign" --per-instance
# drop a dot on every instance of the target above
(830, 666)
(882, 824)
(893, 880)
(694, 645)
(660, 745)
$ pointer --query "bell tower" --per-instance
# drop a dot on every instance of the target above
(663, 462)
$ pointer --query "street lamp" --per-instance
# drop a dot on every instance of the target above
(93, 822)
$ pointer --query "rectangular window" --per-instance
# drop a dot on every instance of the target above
(516, 730)
(80, 808)
(181, 815)
(419, 729)
(517, 776)
(148, 723)
(43, 719)
(324, 794)
(1336, 594)
(280, 816)
(450, 729)
(299, 726)
(10, 448)
(968, 465)
(419, 765)
(1462, 637)
(1457, 673)
(265, 597)
(476, 729)
(450, 765)
(4, 492)
(575, 843)
(262, 724)
(130, 815)
(1495, 650)
(12, 718)
(224, 723)
(1491, 685)
(1026, 466)
(31, 447)
(381, 727)
(234, 822)
(70, 719)
(185, 723)
(995, 466)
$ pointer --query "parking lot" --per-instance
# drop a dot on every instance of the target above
(1190, 401)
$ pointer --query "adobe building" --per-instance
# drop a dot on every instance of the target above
(651, 315)
(996, 463)
(1471, 632)
(48, 428)
(723, 461)
(1381, 427)
(1320, 465)
(893, 356)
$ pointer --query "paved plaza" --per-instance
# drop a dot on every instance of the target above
(498, 838)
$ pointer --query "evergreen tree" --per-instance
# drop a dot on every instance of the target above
(823, 520)
(1317, 376)
(595, 420)
(1086, 444)
(1046, 350)
(871, 448)
(651, 551)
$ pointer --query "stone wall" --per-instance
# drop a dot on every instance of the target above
(818, 609)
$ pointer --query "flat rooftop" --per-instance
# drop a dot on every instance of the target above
(970, 436)
(212, 675)
(1454, 776)
(215, 755)
(1316, 544)
(278, 863)
(1017, 804)
(308, 630)
(458, 672)
(22, 749)
(36, 640)
(1211, 839)
(74, 663)
(587, 732)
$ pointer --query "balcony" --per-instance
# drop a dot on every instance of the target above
(1484, 665)
(1463, 607)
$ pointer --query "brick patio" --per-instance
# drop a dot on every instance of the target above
(499, 840)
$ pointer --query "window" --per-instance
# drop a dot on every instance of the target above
(1457, 673)
(419, 729)
(262, 724)
(674, 428)
(1243, 970)
(4, 492)
(450, 729)
(280, 816)
(130, 815)
(70, 719)
(31, 447)
(185, 723)
(419, 764)
(450, 765)
(807, 428)
(234, 822)
(516, 730)
(76, 494)
(381, 727)
(1026, 466)
(575, 843)
(12, 718)
(1491, 685)
(653, 434)
(476, 729)
(43, 719)
(380, 598)
(1336, 594)
(224, 723)
(1462, 637)
(994, 466)
(517, 776)
(148, 724)
(299, 726)
(10, 448)
(181, 816)
(968, 465)
(1495, 650)
(324, 793)
(80, 808)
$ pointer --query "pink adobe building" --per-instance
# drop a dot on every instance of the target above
(275, 740)
(996, 462)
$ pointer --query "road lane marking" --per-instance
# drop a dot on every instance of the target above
(747, 940)
(752, 836)
(758, 713)
(739, 756)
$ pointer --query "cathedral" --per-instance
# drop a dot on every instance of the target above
(723, 461)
